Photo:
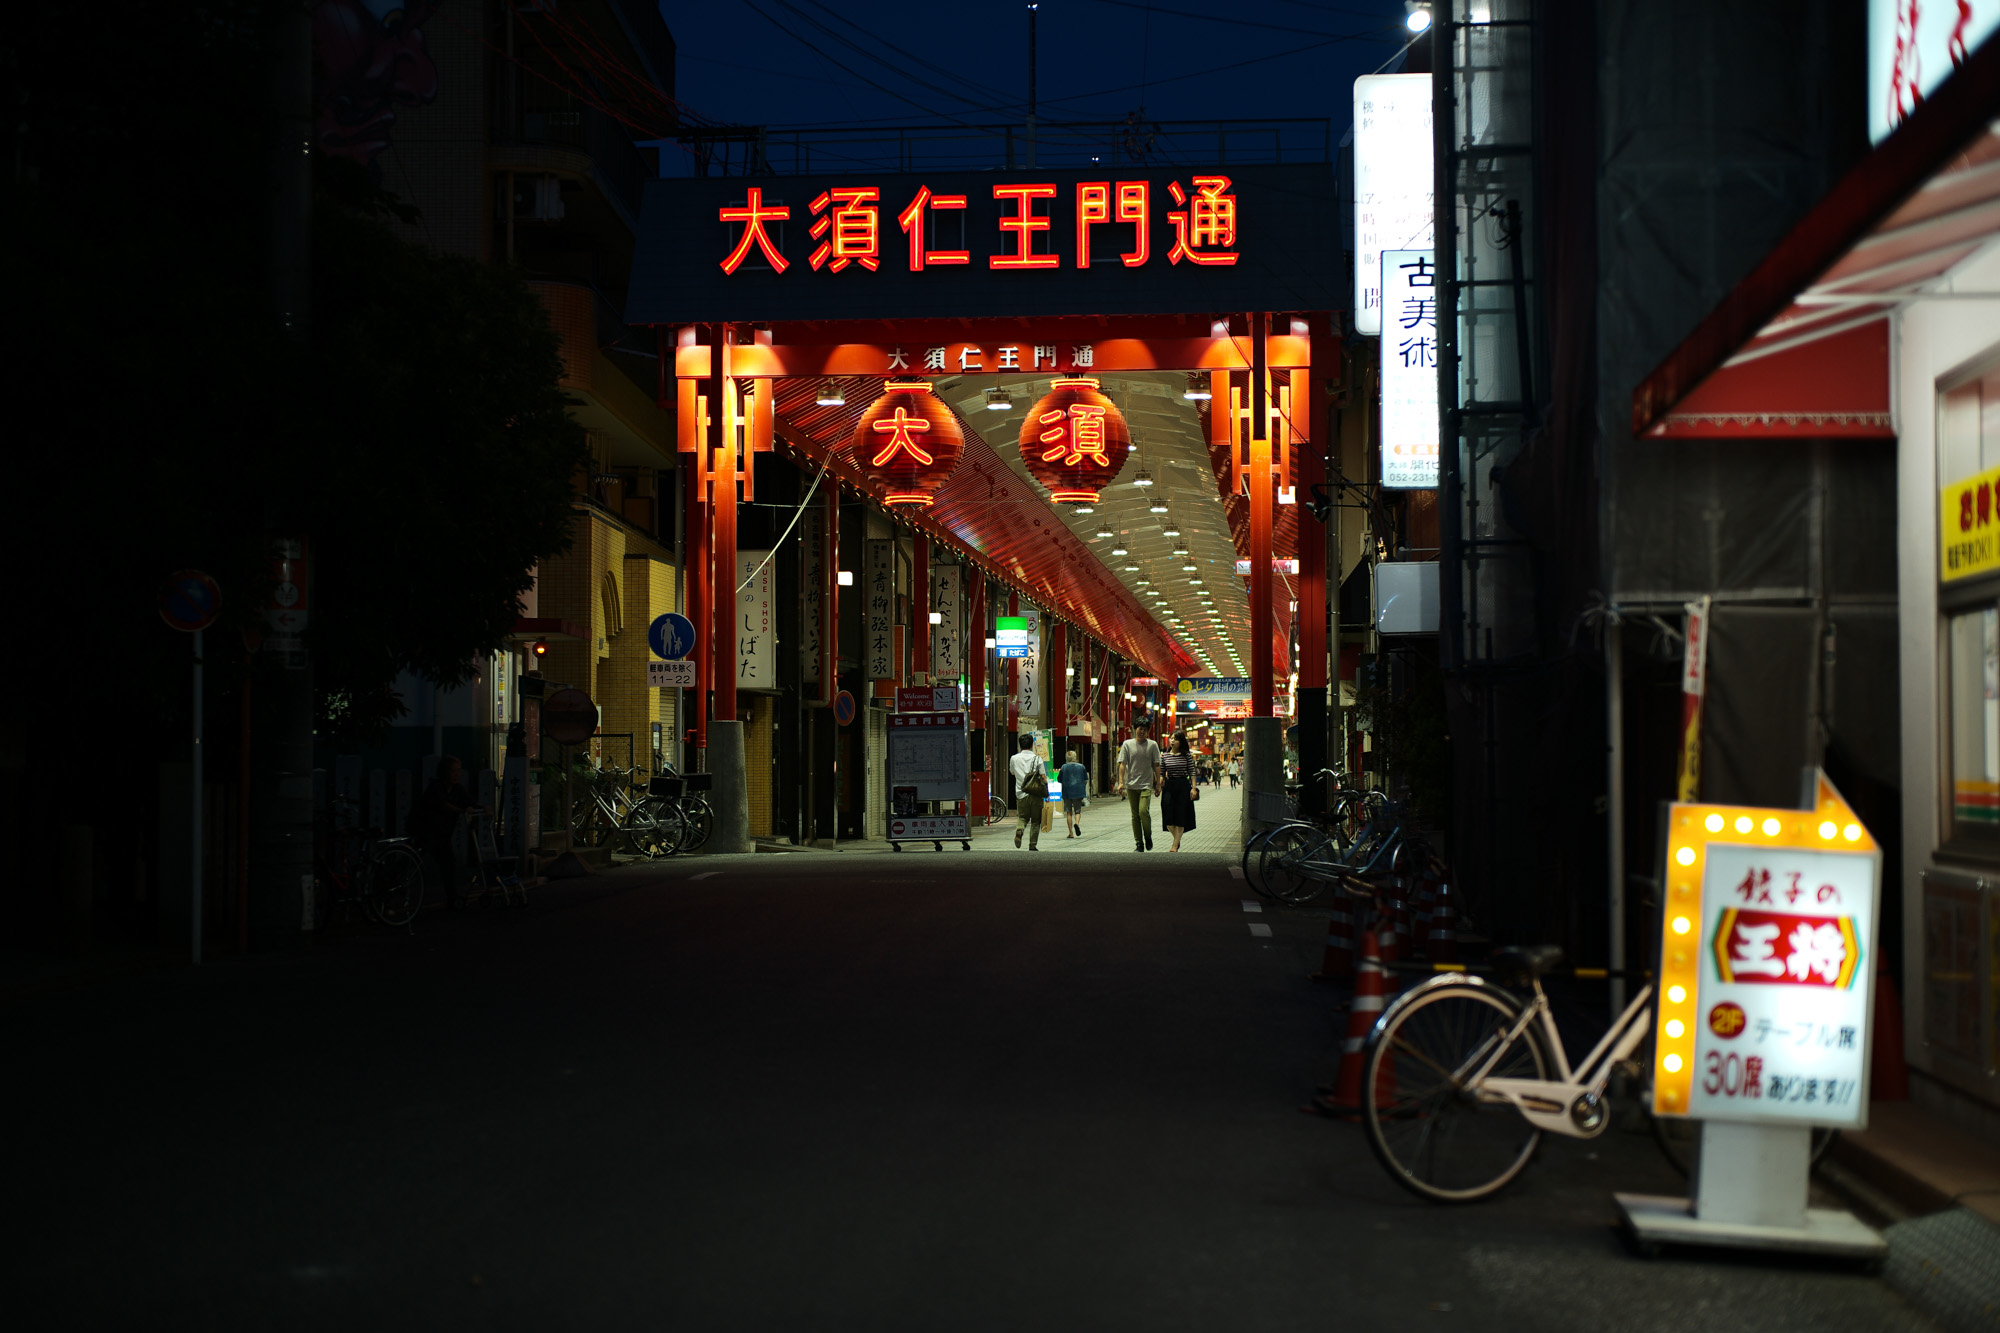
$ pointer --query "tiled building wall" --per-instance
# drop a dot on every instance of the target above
(568, 589)
(629, 705)
(436, 157)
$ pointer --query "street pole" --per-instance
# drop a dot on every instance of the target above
(1031, 85)
(194, 763)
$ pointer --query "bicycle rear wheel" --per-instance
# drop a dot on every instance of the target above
(700, 823)
(1290, 852)
(1434, 1137)
(1252, 847)
(396, 887)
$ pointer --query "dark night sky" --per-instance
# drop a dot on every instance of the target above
(1098, 59)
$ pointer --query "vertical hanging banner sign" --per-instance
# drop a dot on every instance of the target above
(1694, 677)
(1392, 183)
(947, 647)
(878, 653)
(1409, 370)
(812, 575)
(756, 621)
(1028, 698)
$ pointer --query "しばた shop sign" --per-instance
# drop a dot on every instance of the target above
(1767, 957)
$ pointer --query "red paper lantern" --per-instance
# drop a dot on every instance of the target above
(1074, 440)
(908, 442)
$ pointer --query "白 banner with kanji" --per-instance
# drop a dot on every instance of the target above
(878, 651)
(1768, 954)
(756, 621)
(1028, 693)
(1136, 239)
(812, 573)
(1409, 370)
(947, 647)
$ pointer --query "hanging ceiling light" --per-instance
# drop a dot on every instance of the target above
(1119, 549)
(831, 394)
(1189, 567)
(1085, 508)
(999, 399)
(1131, 569)
(1144, 478)
(1104, 530)
(1171, 529)
(1159, 505)
(1197, 390)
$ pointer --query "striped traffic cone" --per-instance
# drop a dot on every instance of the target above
(1395, 920)
(1424, 908)
(1337, 961)
(1370, 986)
(1441, 946)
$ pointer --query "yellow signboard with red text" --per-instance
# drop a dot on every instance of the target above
(1767, 963)
(1969, 527)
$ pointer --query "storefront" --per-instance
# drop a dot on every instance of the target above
(1879, 318)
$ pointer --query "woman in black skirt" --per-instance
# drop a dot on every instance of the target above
(1177, 792)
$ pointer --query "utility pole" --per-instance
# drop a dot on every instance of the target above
(1031, 85)
(281, 812)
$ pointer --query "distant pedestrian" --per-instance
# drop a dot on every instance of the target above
(435, 821)
(1177, 790)
(1139, 779)
(1031, 791)
(1075, 780)
(1235, 771)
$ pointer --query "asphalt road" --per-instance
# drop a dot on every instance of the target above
(962, 1091)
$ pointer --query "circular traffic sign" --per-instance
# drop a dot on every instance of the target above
(672, 636)
(568, 717)
(843, 708)
(190, 601)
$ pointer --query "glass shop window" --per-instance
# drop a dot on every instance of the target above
(1973, 645)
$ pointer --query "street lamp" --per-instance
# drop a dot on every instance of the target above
(1418, 19)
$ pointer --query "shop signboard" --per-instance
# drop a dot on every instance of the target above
(1218, 689)
(930, 828)
(812, 574)
(756, 621)
(927, 699)
(947, 648)
(878, 651)
(1279, 565)
(1409, 370)
(1392, 182)
(1010, 636)
(1912, 48)
(1028, 689)
(1768, 955)
(1969, 527)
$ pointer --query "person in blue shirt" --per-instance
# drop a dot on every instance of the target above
(1075, 779)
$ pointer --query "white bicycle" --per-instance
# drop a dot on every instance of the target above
(1462, 1077)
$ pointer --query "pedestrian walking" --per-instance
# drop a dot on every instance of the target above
(1139, 779)
(1075, 779)
(1031, 790)
(1235, 771)
(1177, 790)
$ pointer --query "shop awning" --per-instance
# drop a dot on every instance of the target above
(1801, 347)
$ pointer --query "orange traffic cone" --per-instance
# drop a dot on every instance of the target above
(1442, 944)
(1369, 999)
(1337, 962)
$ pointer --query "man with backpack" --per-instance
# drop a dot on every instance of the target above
(1031, 790)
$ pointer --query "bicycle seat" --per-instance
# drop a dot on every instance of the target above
(1530, 960)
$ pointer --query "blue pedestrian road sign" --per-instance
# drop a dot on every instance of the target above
(672, 636)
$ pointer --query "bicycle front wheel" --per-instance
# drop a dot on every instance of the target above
(1434, 1135)
(1290, 851)
(396, 886)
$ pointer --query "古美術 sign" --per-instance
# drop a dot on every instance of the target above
(1135, 240)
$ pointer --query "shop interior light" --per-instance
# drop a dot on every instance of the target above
(1197, 390)
(831, 394)
(989, 641)
(999, 399)
(845, 578)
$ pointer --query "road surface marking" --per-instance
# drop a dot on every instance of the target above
(1260, 930)
(705, 874)
(1249, 906)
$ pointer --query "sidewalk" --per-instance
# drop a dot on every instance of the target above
(1937, 1189)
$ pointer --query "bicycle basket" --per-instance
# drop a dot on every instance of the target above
(673, 788)
(699, 781)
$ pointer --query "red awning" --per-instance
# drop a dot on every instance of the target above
(1801, 348)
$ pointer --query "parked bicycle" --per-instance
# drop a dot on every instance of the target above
(357, 868)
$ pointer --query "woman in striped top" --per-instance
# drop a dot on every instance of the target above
(1177, 789)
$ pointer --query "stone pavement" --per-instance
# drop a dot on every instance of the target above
(1107, 827)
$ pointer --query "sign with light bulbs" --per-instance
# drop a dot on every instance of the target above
(1767, 963)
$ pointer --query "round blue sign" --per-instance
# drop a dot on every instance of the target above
(672, 636)
(190, 601)
(843, 708)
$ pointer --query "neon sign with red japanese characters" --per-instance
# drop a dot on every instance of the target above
(846, 226)
(1074, 440)
(1766, 964)
(908, 442)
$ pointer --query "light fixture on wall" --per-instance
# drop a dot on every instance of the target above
(937, 617)
(845, 578)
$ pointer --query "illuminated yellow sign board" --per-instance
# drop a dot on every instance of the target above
(1767, 964)
(1969, 527)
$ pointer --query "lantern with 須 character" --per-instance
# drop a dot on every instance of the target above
(1074, 440)
(907, 443)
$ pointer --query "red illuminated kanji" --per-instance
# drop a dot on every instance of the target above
(851, 233)
(1985, 503)
(898, 428)
(912, 221)
(1965, 511)
(1135, 205)
(1081, 438)
(753, 215)
(1093, 205)
(1209, 220)
(1024, 224)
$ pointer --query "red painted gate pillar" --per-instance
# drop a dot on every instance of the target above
(977, 655)
(920, 609)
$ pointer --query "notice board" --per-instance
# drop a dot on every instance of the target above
(928, 751)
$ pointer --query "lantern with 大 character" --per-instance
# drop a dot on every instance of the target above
(907, 443)
(1074, 440)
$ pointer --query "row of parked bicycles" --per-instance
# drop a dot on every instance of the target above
(1465, 1070)
(642, 815)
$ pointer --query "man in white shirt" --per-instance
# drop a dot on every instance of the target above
(1139, 779)
(1028, 805)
